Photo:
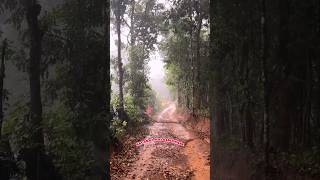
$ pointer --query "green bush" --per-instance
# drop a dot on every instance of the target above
(72, 156)
(307, 162)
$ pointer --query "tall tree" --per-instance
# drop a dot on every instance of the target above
(107, 80)
(286, 65)
(132, 23)
(144, 32)
(266, 116)
(38, 165)
(119, 9)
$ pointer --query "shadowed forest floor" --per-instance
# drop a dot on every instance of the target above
(159, 160)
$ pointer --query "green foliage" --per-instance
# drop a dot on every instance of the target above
(307, 162)
(143, 34)
(136, 115)
(73, 156)
(16, 11)
(147, 21)
(133, 110)
(138, 79)
(117, 126)
(251, 84)
(74, 76)
(19, 128)
(152, 99)
(230, 143)
(172, 77)
(186, 53)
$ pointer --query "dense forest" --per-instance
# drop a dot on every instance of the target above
(265, 82)
(141, 22)
(57, 128)
(76, 94)
(258, 81)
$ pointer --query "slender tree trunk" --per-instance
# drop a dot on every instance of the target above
(308, 102)
(249, 126)
(264, 51)
(198, 55)
(2, 69)
(179, 91)
(247, 106)
(243, 123)
(120, 68)
(132, 33)
(191, 57)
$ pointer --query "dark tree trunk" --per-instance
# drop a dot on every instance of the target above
(284, 125)
(249, 127)
(213, 137)
(107, 97)
(243, 123)
(198, 57)
(39, 166)
(266, 116)
(247, 106)
(33, 11)
(2, 69)
(7, 164)
(308, 102)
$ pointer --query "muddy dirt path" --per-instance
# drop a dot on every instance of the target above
(162, 160)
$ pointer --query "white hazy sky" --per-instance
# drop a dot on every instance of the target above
(156, 65)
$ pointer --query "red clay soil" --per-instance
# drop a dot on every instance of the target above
(161, 160)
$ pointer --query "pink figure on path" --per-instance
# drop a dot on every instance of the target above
(149, 110)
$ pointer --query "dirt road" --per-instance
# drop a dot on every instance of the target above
(163, 160)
